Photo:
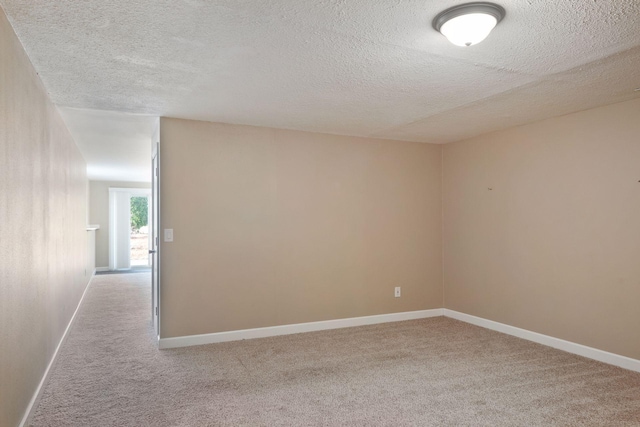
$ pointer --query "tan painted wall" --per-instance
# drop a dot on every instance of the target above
(99, 213)
(278, 227)
(42, 228)
(555, 246)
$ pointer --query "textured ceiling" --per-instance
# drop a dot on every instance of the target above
(116, 146)
(354, 67)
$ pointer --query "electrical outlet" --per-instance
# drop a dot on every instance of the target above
(397, 292)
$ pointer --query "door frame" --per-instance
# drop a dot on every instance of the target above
(155, 236)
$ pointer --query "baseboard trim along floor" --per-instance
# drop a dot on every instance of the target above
(560, 344)
(244, 334)
(568, 346)
(36, 396)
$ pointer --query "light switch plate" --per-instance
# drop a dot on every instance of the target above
(168, 234)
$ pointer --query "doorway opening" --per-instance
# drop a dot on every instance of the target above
(129, 239)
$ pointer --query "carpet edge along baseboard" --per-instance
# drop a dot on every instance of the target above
(297, 328)
(560, 344)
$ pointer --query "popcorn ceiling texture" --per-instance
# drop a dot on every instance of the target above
(355, 67)
(116, 146)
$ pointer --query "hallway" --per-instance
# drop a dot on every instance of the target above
(106, 363)
(110, 372)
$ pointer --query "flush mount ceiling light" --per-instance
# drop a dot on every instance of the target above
(468, 24)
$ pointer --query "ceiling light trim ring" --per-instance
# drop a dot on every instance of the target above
(492, 9)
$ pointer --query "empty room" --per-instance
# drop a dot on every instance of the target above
(319, 213)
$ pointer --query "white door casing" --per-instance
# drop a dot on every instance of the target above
(155, 239)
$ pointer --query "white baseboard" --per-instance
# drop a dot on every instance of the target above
(102, 268)
(26, 419)
(568, 346)
(294, 329)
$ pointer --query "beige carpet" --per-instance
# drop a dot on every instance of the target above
(432, 372)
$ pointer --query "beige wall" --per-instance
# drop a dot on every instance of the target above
(42, 228)
(554, 247)
(99, 213)
(276, 227)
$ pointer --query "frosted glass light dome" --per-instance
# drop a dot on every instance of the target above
(467, 30)
(468, 24)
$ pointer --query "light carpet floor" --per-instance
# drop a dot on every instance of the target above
(431, 372)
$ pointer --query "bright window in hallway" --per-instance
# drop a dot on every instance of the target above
(139, 231)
